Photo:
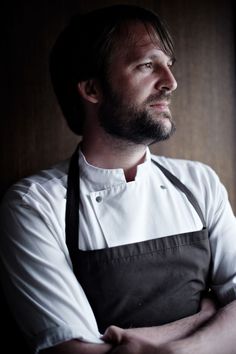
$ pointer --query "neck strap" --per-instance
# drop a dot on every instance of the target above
(72, 202)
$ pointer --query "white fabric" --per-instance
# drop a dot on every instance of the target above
(44, 294)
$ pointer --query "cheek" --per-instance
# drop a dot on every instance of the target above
(132, 89)
(141, 87)
(136, 90)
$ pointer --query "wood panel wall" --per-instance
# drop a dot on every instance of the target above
(204, 103)
(33, 132)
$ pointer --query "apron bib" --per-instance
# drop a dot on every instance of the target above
(142, 284)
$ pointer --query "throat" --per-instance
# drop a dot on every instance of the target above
(114, 157)
(130, 174)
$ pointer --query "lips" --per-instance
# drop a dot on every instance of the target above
(160, 105)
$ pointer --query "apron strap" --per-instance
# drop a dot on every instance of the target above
(72, 203)
(72, 208)
(173, 179)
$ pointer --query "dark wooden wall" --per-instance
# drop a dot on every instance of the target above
(205, 99)
(33, 132)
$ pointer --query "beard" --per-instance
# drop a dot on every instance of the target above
(133, 123)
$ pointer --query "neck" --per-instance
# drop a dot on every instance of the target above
(108, 152)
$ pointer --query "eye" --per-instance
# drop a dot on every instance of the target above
(145, 66)
(171, 63)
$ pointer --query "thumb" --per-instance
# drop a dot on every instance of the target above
(113, 334)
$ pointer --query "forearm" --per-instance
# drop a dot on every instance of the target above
(154, 340)
(78, 347)
(160, 335)
(173, 331)
(215, 337)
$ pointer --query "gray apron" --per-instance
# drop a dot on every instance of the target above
(143, 284)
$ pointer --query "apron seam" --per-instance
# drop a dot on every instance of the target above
(150, 252)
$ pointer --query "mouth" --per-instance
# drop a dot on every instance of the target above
(161, 106)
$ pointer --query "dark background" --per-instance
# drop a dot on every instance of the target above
(34, 134)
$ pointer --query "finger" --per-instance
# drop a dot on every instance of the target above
(113, 334)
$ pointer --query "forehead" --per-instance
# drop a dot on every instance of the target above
(136, 39)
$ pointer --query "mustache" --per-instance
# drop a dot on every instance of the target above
(160, 96)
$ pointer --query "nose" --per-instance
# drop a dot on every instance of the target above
(165, 79)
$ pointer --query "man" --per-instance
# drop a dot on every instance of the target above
(118, 241)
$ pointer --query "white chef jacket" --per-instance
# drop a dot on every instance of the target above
(48, 302)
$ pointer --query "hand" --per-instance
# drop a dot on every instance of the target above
(127, 343)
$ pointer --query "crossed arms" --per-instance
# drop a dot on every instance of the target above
(210, 331)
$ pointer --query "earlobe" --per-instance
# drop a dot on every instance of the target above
(89, 90)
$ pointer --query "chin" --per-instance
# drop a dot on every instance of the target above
(167, 124)
(164, 120)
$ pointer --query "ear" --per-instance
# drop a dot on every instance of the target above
(89, 90)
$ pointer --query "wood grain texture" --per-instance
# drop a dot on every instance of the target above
(34, 133)
(204, 104)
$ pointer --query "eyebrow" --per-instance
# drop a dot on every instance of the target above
(171, 58)
(132, 58)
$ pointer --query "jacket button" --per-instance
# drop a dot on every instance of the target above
(98, 199)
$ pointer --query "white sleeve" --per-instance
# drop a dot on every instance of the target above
(43, 292)
(222, 232)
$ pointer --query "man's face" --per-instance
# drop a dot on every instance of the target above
(136, 96)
